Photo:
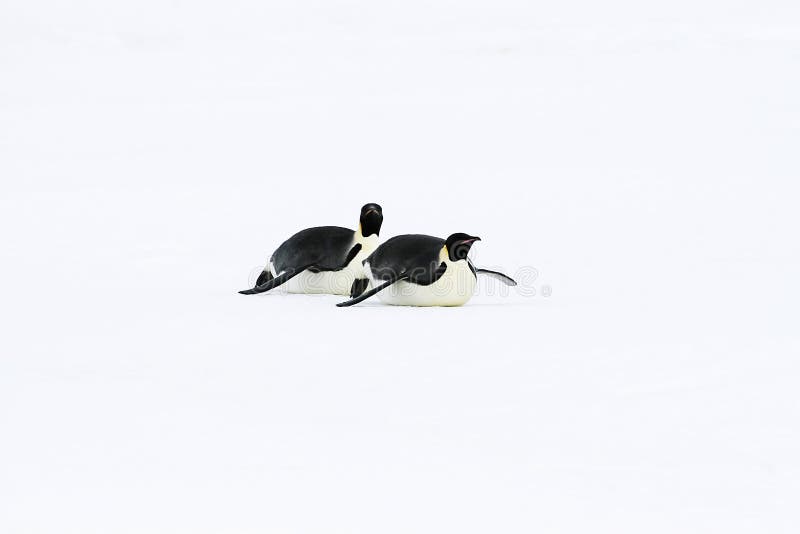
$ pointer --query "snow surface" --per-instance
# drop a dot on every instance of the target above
(641, 157)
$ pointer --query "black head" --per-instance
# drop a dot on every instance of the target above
(458, 245)
(371, 219)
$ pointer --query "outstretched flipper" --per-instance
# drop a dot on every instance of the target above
(507, 280)
(273, 282)
(374, 290)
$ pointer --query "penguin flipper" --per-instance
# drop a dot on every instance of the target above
(373, 291)
(352, 254)
(273, 282)
(507, 280)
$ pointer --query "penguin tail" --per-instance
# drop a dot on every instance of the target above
(365, 295)
(358, 287)
(264, 277)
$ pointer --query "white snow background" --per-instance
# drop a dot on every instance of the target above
(643, 157)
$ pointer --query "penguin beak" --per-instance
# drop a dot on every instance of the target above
(469, 241)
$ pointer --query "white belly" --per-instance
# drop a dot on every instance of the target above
(331, 282)
(454, 288)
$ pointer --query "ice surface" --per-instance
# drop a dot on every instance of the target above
(642, 158)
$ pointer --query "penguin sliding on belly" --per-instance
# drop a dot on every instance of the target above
(324, 259)
(421, 270)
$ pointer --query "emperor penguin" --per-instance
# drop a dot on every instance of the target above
(323, 259)
(421, 270)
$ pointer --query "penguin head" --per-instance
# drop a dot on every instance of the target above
(458, 245)
(371, 219)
